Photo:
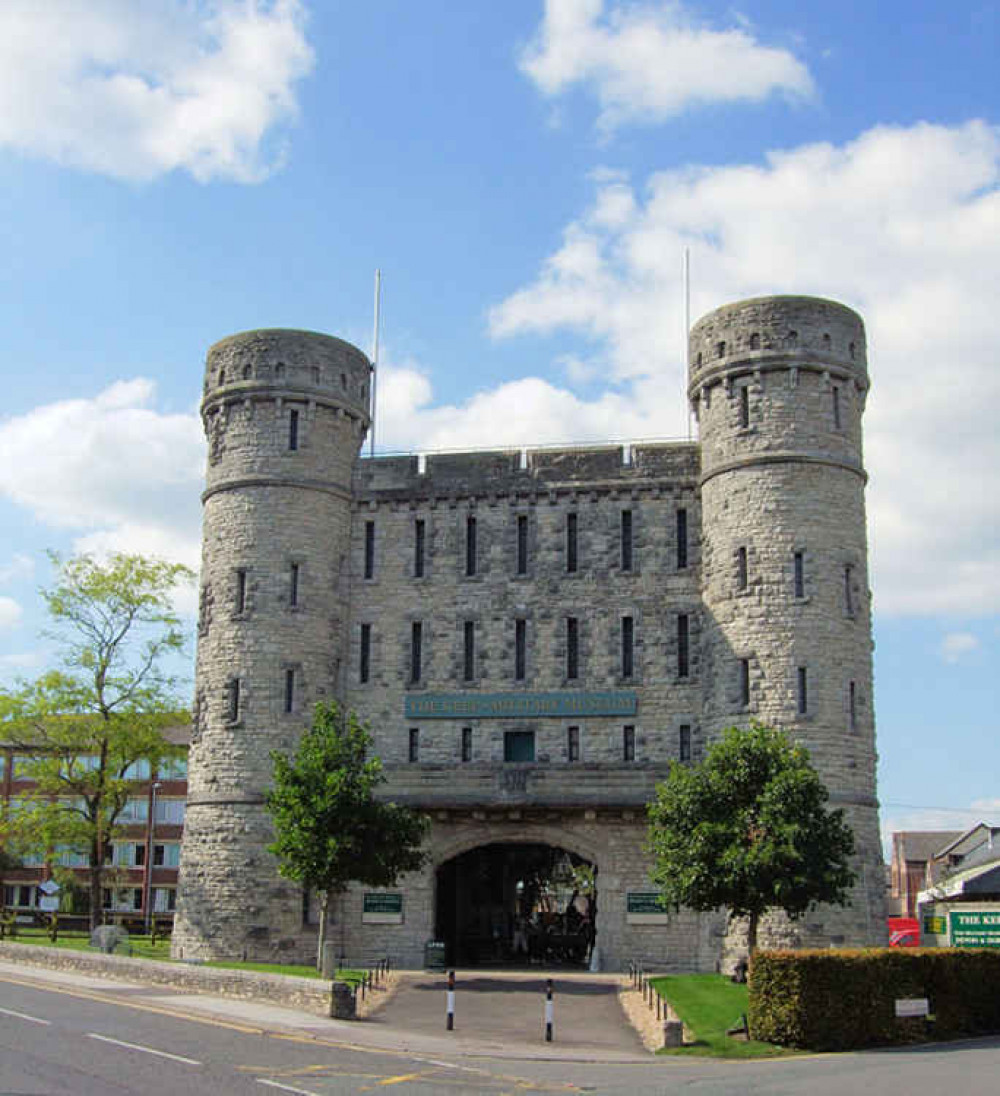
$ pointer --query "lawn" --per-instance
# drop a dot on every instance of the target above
(710, 1004)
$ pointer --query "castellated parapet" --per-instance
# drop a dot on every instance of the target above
(534, 636)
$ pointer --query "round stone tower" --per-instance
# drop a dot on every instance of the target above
(779, 385)
(285, 414)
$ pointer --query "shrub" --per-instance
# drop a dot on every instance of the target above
(843, 1000)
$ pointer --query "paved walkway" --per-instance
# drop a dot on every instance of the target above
(506, 1011)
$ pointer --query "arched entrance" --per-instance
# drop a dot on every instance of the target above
(515, 903)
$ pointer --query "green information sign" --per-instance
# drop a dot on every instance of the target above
(975, 929)
(644, 902)
(519, 705)
(935, 926)
(383, 902)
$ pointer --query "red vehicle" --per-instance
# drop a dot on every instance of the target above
(904, 932)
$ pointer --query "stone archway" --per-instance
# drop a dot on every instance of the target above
(516, 902)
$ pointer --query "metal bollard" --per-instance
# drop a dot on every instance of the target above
(549, 1010)
(450, 1006)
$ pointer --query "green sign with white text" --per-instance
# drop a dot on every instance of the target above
(975, 929)
(383, 902)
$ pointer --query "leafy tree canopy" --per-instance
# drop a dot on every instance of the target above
(330, 829)
(83, 727)
(748, 829)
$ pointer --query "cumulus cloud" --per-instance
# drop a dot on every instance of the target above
(20, 566)
(956, 645)
(136, 90)
(124, 475)
(10, 613)
(647, 62)
(900, 223)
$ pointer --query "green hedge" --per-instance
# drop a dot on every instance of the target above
(842, 1000)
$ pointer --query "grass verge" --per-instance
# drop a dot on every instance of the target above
(710, 1004)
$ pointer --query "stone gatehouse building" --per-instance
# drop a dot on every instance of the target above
(533, 636)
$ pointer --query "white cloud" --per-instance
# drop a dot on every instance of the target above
(647, 62)
(954, 820)
(901, 224)
(20, 566)
(956, 645)
(10, 613)
(123, 475)
(136, 90)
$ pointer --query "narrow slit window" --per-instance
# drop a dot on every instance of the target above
(852, 705)
(848, 589)
(744, 391)
(803, 691)
(684, 742)
(836, 408)
(414, 745)
(572, 648)
(241, 590)
(741, 567)
(416, 650)
(683, 645)
(626, 540)
(470, 546)
(628, 646)
(293, 585)
(293, 430)
(682, 539)
(522, 544)
(745, 682)
(419, 534)
(233, 699)
(466, 744)
(520, 648)
(628, 743)
(289, 692)
(800, 575)
(365, 654)
(369, 549)
(572, 557)
(572, 743)
(469, 651)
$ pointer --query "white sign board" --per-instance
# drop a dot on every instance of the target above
(49, 902)
(912, 1006)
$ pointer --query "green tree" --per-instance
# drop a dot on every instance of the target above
(330, 830)
(86, 726)
(748, 829)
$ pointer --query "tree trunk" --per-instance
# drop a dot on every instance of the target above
(324, 911)
(96, 879)
(752, 933)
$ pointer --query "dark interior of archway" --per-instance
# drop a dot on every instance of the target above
(516, 905)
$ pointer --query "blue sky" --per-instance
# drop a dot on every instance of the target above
(527, 176)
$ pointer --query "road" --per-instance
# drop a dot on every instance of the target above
(71, 1041)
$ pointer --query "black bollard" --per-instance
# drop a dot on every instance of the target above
(450, 1022)
(549, 1009)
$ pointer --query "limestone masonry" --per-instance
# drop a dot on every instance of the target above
(533, 636)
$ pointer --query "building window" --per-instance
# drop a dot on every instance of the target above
(626, 540)
(682, 539)
(241, 590)
(522, 544)
(364, 660)
(470, 546)
(572, 743)
(800, 575)
(852, 705)
(741, 568)
(744, 391)
(848, 589)
(369, 549)
(836, 408)
(628, 646)
(684, 742)
(572, 559)
(469, 653)
(293, 585)
(628, 743)
(519, 746)
(414, 745)
(416, 650)
(683, 645)
(745, 682)
(289, 692)
(418, 548)
(233, 700)
(520, 649)
(572, 648)
(803, 695)
(293, 430)
(466, 744)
